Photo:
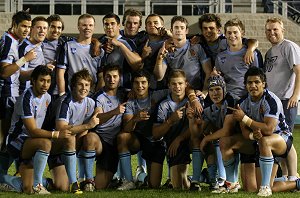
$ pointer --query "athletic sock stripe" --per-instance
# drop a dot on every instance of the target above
(43, 152)
(122, 155)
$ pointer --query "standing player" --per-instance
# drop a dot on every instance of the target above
(101, 144)
(77, 56)
(190, 58)
(9, 76)
(172, 126)
(38, 32)
(121, 52)
(282, 67)
(26, 139)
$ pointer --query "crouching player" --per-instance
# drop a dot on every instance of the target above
(261, 118)
(172, 126)
(75, 113)
(138, 119)
(217, 122)
(26, 140)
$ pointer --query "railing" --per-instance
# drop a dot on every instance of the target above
(162, 7)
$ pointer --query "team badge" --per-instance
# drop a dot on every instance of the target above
(73, 50)
(193, 53)
(223, 59)
(261, 109)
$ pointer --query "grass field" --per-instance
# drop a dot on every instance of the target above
(162, 192)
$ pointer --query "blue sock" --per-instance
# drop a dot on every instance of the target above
(125, 163)
(236, 166)
(280, 179)
(80, 165)
(212, 173)
(89, 159)
(141, 161)
(220, 165)
(197, 161)
(230, 170)
(13, 181)
(298, 184)
(119, 174)
(39, 163)
(69, 158)
(266, 165)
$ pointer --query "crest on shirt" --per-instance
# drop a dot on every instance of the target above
(261, 109)
(223, 59)
(193, 53)
(73, 50)
(47, 104)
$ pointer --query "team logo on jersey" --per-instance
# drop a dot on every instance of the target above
(47, 104)
(73, 50)
(269, 63)
(223, 59)
(261, 109)
(193, 53)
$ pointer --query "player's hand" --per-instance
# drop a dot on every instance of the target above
(29, 56)
(190, 112)
(203, 143)
(114, 41)
(195, 104)
(215, 72)
(177, 115)
(172, 151)
(257, 134)
(147, 50)
(65, 133)
(50, 66)
(141, 116)
(293, 102)
(170, 45)
(162, 53)
(94, 121)
(96, 47)
(195, 40)
(162, 31)
(120, 109)
(238, 113)
(249, 57)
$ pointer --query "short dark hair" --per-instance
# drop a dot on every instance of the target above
(210, 18)
(132, 12)
(19, 17)
(255, 71)
(111, 15)
(40, 70)
(38, 18)
(141, 73)
(82, 74)
(108, 68)
(55, 17)
(155, 15)
(181, 19)
(235, 22)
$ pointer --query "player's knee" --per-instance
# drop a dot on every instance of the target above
(45, 144)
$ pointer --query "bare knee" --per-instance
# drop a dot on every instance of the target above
(44, 144)
(123, 140)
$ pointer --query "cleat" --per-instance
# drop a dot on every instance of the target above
(6, 188)
(140, 173)
(89, 185)
(127, 185)
(221, 181)
(115, 183)
(205, 176)
(74, 188)
(40, 190)
(227, 188)
(168, 184)
(264, 191)
(195, 186)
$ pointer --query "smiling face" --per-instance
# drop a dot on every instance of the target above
(274, 32)
(86, 27)
(55, 30)
(41, 85)
(255, 87)
(210, 31)
(234, 35)
(177, 86)
(81, 89)
(179, 30)
(140, 87)
(38, 32)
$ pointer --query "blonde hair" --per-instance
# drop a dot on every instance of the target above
(275, 20)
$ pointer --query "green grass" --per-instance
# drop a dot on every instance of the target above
(161, 192)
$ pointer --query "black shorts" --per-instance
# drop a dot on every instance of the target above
(7, 107)
(182, 156)
(54, 160)
(152, 151)
(109, 158)
(247, 158)
(14, 148)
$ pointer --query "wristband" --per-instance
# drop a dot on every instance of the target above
(55, 135)
(61, 94)
(21, 61)
(247, 121)
(251, 136)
